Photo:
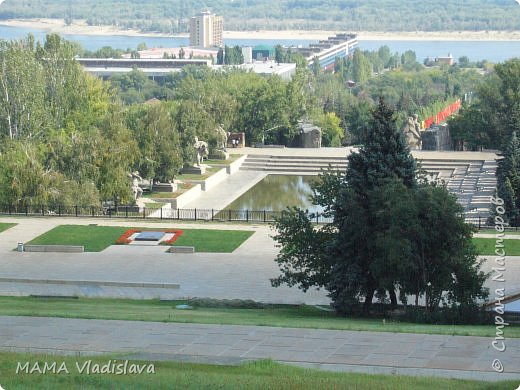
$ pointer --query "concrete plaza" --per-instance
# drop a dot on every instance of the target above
(462, 357)
(243, 274)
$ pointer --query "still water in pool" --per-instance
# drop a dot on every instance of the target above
(276, 193)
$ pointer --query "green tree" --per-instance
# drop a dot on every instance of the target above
(508, 177)
(316, 66)
(279, 55)
(499, 103)
(378, 238)
(220, 56)
(361, 68)
(158, 142)
(22, 91)
(385, 55)
(468, 129)
(142, 46)
(332, 133)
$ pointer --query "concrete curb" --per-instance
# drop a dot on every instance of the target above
(54, 248)
(91, 283)
(181, 249)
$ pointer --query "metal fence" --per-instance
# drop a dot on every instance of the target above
(253, 216)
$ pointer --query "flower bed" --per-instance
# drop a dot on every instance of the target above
(125, 237)
(176, 235)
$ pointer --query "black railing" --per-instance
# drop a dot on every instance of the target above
(253, 216)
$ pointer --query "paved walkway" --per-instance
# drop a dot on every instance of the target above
(343, 152)
(227, 191)
(372, 352)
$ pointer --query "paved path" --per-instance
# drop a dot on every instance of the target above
(373, 352)
(227, 191)
(343, 152)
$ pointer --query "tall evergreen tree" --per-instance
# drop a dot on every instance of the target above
(384, 155)
(220, 56)
(508, 175)
(384, 159)
(380, 238)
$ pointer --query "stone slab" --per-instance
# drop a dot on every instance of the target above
(54, 248)
(150, 236)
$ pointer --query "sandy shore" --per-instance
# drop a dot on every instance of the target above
(81, 28)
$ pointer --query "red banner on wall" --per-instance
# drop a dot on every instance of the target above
(442, 115)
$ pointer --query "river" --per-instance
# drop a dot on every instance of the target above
(494, 51)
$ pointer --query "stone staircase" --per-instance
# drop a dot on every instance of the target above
(290, 165)
(472, 181)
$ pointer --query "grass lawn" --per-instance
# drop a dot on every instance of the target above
(181, 189)
(264, 374)
(97, 238)
(207, 240)
(492, 231)
(194, 176)
(232, 158)
(93, 238)
(486, 246)
(292, 316)
(5, 226)
(156, 205)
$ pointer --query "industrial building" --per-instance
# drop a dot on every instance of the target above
(206, 30)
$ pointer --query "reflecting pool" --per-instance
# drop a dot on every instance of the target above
(277, 192)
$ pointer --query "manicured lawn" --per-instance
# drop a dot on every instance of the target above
(158, 195)
(5, 226)
(93, 238)
(486, 246)
(264, 374)
(193, 176)
(181, 189)
(232, 158)
(156, 205)
(292, 316)
(97, 238)
(206, 240)
(492, 231)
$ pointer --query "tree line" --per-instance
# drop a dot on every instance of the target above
(169, 16)
(53, 113)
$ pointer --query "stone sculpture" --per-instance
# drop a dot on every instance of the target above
(201, 147)
(136, 190)
(222, 137)
(412, 132)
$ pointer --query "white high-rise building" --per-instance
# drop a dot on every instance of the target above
(206, 30)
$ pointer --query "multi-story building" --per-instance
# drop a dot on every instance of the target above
(206, 30)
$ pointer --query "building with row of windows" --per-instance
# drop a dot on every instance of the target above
(206, 30)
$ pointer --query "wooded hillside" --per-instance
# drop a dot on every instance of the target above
(355, 15)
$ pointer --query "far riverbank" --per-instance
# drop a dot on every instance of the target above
(82, 28)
